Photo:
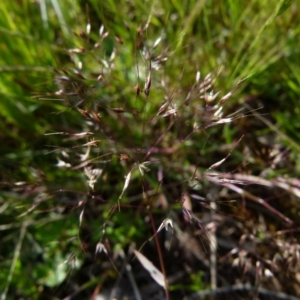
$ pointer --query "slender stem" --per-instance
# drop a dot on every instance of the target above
(15, 258)
(161, 261)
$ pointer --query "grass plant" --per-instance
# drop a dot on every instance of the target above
(152, 138)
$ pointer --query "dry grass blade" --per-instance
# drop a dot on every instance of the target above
(153, 271)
